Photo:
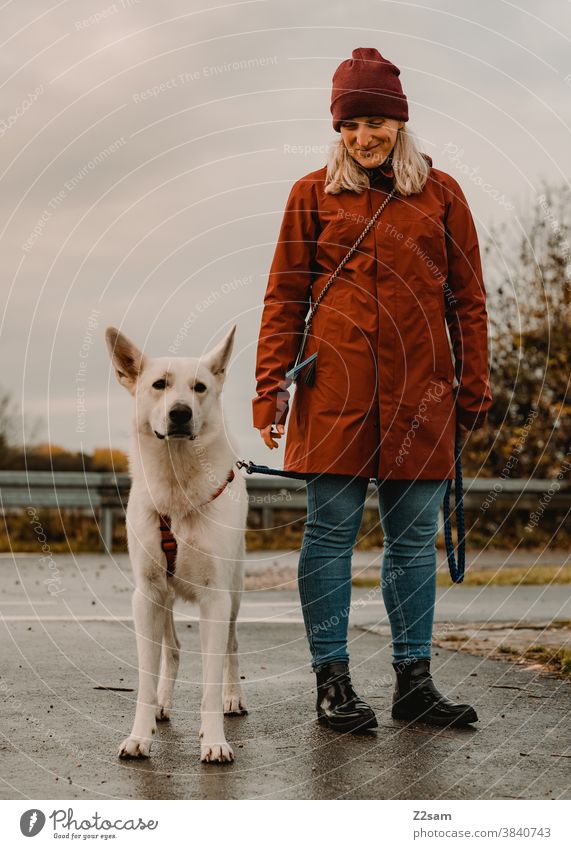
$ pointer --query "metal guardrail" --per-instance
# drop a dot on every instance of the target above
(105, 494)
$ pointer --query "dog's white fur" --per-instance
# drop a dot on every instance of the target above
(176, 475)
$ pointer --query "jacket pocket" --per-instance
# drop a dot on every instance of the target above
(420, 253)
(444, 366)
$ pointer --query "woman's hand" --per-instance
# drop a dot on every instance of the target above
(268, 436)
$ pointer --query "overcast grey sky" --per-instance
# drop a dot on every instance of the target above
(148, 149)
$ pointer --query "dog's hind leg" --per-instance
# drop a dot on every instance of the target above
(234, 702)
(148, 615)
(170, 656)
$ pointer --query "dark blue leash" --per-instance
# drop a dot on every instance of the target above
(456, 569)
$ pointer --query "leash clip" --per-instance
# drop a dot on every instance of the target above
(243, 464)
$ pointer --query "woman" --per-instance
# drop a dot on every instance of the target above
(386, 394)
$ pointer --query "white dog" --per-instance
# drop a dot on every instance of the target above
(181, 464)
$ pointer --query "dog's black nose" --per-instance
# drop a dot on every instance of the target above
(180, 414)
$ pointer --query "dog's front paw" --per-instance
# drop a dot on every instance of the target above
(134, 747)
(216, 753)
(234, 703)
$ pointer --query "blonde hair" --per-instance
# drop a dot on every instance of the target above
(410, 166)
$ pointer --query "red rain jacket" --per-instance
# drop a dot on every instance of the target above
(388, 384)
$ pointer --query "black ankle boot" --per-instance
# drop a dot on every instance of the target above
(416, 697)
(338, 705)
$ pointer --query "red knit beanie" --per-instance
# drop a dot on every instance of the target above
(367, 84)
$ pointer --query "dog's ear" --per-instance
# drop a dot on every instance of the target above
(217, 359)
(126, 358)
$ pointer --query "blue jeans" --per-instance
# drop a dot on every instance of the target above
(408, 511)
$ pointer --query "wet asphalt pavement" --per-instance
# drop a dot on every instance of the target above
(60, 730)
(95, 586)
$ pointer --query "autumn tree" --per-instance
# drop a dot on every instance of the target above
(109, 460)
(527, 264)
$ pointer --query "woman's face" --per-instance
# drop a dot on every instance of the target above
(368, 139)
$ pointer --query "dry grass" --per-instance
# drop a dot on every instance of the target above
(511, 576)
(556, 660)
(508, 576)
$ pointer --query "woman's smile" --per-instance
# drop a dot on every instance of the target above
(366, 150)
(369, 153)
(359, 132)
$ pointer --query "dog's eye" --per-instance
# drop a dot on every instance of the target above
(200, 387)
(160, 384)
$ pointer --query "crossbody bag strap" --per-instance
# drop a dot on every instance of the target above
(333, 277)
